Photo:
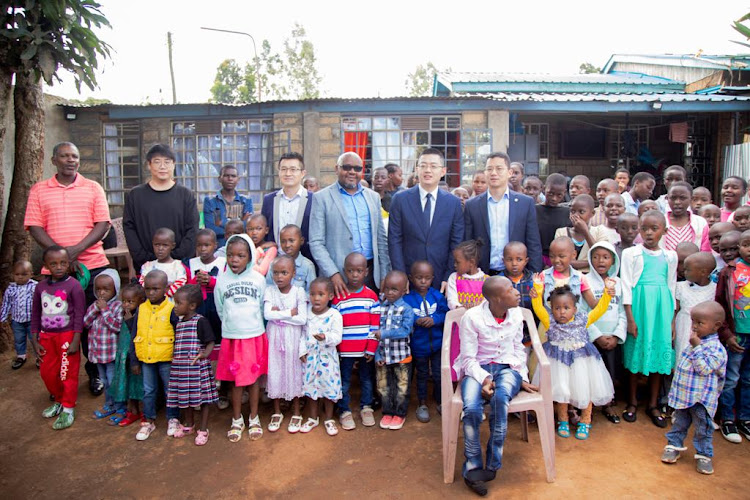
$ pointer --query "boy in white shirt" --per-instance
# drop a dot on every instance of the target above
(493, 361)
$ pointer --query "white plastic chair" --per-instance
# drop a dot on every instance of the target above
(540, 402)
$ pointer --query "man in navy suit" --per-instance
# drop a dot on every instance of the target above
(426, 222)
(291, 204)
(500, 216)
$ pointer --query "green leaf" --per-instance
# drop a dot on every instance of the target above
(742, 29)
(29, 52)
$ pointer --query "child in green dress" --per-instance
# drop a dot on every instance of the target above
(126, 386)
(649, 278)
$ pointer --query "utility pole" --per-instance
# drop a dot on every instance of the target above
(171, 67)
(255, 51)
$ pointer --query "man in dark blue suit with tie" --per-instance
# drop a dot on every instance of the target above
(426, 222)
(500, 216)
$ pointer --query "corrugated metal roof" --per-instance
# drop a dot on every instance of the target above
(310, 101)
(682, 60)
(653, 97)
(456, 77)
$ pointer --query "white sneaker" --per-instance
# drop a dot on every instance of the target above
(145, 431)
(173, 426)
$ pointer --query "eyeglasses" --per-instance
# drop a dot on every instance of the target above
(429, 166)
(291, 170)
(349, 168)
(160, 162)
(497, 169)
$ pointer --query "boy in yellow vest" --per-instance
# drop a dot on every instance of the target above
(151, 350)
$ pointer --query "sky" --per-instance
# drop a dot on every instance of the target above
(367, 50)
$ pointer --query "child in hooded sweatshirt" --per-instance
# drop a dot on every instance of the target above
(609, 331)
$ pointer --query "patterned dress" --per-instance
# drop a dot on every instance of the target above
(469, 291)
(285, 370)
(579, 376)
(190, 385)
(322, 374)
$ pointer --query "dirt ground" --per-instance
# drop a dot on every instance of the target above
(94, 460)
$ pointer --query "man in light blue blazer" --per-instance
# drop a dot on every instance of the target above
(500, 216)
(426, 222)
(345, 218)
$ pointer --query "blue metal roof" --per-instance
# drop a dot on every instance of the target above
(528, 102)
(478, 83)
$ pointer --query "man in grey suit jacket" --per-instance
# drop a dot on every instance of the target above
(345, 218)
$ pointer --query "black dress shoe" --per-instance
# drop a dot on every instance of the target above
(96, 387)
(483, 475)
(477, 487)
(18, 363)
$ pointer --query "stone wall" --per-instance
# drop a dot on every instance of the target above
(329, 135)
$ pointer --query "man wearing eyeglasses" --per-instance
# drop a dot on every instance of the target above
(426, 222)
(160, 202)
(500, 216)
(345, 218)
(291, 204)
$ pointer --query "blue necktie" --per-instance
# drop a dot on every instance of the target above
(427, 210)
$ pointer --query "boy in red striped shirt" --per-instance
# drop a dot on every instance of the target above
(360, 311)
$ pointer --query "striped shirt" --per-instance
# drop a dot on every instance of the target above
(360, 312)
(599, 218)
(17, 302)
(104, 328)
(699, 376)
(175, 271)
(676, 235)
(68, 214)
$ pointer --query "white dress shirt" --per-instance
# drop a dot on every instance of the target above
(484, 341)
(423, 199)
(499, 230)
(289, 207)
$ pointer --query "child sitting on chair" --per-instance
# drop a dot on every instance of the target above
(494, 361)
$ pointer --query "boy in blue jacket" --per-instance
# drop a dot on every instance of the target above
(393, 357)
(430, 307)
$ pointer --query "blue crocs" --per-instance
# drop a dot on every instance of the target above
(563, 429)
(582, 432)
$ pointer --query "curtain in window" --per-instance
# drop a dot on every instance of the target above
(112, 160)
(356, 142)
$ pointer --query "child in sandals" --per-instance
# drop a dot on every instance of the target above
(285, 309)
(243, 356)
(317, 350)
(579, 377)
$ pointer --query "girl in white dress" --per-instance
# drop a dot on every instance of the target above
(285, 309)
(317, 350)
(696, 288)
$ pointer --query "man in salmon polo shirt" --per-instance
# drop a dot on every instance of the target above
(71, 211)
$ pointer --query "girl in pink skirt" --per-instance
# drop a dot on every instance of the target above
(243, 356)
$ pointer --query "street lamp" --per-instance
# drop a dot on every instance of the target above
(255, 50)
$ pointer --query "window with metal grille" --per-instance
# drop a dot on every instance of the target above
(542, 131)
(379, 140)
(626, 143)
(121, 165)
(476, 145)
(202, 148)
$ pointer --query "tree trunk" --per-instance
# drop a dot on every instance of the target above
(27, 170)
(6, 78)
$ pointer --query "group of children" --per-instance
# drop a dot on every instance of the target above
(664, 287)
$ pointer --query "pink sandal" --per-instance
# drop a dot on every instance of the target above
(201, 438)
(184, 431)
